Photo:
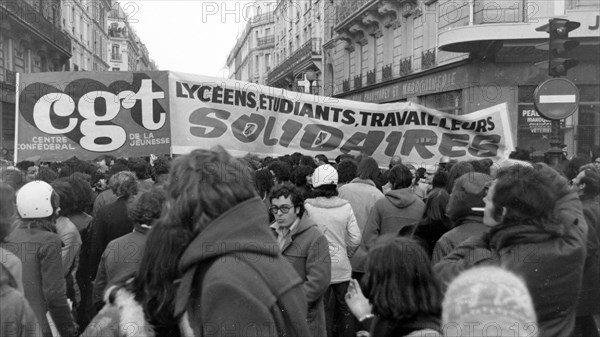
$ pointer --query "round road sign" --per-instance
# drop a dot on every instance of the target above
(556, 98)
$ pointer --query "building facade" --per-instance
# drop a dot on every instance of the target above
(298, 55)
(461, 56)
(31, 40)
(86, 23)
(252, 56)
(125, 50)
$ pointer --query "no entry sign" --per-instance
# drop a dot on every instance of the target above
(556, 98)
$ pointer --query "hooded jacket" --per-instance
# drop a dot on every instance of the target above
(551, 265)
(236, 283)
(399, 208)
(307, 250)
(336, 217)
(362, 195)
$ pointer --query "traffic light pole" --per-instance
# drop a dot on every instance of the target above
(559, 63)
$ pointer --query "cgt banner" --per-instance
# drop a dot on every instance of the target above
(87, 114)
(131, 114)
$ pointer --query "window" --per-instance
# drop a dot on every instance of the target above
(116, 69)
(115, 53)
(450, 102)
(268, 62)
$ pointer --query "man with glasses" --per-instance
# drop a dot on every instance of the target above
(303, 245)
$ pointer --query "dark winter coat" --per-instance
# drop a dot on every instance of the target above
(16, 317)
(236, 283)
(467, 226)
(589, 300)
(111, 222)
(551, 265)
(307, 249)
(43, 278)
(120, 261)
(399, 208)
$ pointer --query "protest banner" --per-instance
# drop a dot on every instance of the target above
(249, 118)
(88, 114)
(127, 114)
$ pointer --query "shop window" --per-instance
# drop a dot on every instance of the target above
(450, 102)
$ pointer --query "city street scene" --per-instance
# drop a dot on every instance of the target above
(300, 168)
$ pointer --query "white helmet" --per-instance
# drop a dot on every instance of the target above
(324, 175)
(33, 200)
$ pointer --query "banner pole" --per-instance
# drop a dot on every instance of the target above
(17, 92)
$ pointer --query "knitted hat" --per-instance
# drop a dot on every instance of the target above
(488, 301)
(468, 192)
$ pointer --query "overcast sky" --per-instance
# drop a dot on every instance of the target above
(193, 36)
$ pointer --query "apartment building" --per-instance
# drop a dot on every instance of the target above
(298, 56)
(252, 56)
(461, 56)
(86, 23)
(31, 40)
(125, 51)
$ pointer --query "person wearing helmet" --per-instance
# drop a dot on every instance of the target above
(336, 219)
(38, 246)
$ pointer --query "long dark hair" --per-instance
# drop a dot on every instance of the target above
(399, 281)
(202, 185)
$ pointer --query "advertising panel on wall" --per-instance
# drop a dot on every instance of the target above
(137, 114)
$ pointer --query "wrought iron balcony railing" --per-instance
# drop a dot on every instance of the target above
(310, 48)
(346, 85)
(265, 41)
(406, 66)
(371, 77)
(428, 58)
(345, 8)
(357, 81)
(28, 15)
(10, 77)
(386, 72)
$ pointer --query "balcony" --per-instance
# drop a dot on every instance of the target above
(29, 17)
(428, 58)
(386, 73)
(356, 19)
(357, 81)
(312, 48)
(405, 66)
(346, 85)
(265, 41)
(10, 78)
(371, 77)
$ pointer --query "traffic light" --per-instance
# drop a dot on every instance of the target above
(559, 45)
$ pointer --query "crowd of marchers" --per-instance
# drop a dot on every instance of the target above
(205, 244)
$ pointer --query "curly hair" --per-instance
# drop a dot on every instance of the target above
(399, 281)
(281, 169)
(65, 193)
(299, 174)
(288, 190)
(124, 184)
(82, 193)
(147, 207)
(203, 185)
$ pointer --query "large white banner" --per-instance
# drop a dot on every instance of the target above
(249, 118)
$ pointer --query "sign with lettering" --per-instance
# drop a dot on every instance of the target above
(87, 114)
(449, 80)
(129, 114)
(246, 117)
